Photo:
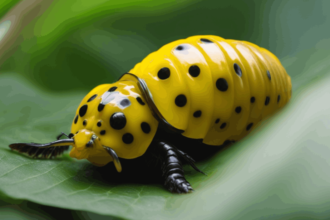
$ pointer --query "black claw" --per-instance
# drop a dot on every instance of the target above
(190, 160)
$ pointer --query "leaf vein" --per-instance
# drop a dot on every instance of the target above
(38, 174)
(53, 185)
(15, 168)
(81, 190)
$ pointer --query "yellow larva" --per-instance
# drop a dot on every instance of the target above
(201, 88)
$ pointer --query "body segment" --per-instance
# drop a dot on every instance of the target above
(215, 89)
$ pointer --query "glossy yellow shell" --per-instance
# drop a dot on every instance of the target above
(119, 97)
(257, 86)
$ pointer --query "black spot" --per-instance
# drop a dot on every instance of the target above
(222, 84)
(181, 100)
(125, 102)
(194, 71)
(76, 119)
(164, 73)
(278, 98)
(197, 114)
(99, 124)
(91, 98)
(223, 125)
(112, 88)
(118, 120)
(267, 100)
(70, 135)
(128, 138)
(179, 47)
(102, 132)
(145, 127)
(268, 74)
(238, 69)
(85, 122)
(252, 100)
(77, 132)
(140, 100)
(238, 109)
(217, 121)
(100, 107)
(83, 110)
(249, 126)
(206, 40)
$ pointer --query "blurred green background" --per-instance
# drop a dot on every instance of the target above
(53, 52)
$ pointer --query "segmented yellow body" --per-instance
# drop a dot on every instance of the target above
(215, 89)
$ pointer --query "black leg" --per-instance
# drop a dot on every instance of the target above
(62, 134)
(191, 161)
(172, 167)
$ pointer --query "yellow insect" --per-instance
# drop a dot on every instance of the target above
(203, 87)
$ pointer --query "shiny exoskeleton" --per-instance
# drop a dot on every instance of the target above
(204, 89)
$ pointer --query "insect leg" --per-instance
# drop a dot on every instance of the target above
(60, 135)
(187, 158)
(172, 168)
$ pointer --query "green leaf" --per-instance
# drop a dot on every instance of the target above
(279, 171)
(283, 162)
(6, 5)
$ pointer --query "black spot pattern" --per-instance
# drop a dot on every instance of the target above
(140, 100)
(267, 100)
(268, 74)
(99, 124)
(179, 47)
(112, 88)
(125, 102)
(197, 114)
(145, 127)
(127, 138)
(223, 125)
(102, 132)
(70, 135)
(118, 120)
(237, 69)
(249, 126)
(238, 109)
(194, 71)
(91, 98)
(83, 110)
(222, 84)
(217, 121)
(206, 40)
(181, 100)
(252, 100)
(85, 122)
(164, 73)
(100, 107)
(278, 98)
(76, 119)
